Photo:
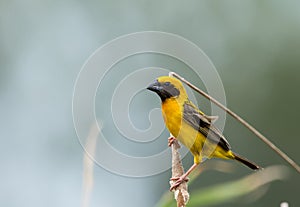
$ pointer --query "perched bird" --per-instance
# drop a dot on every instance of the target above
(191, 126)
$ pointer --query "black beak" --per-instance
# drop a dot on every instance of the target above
(156, 87)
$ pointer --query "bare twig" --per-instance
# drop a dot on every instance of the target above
(180, 193)
(246, 124)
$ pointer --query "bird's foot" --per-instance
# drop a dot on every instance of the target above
(171, 141)
(178, 181)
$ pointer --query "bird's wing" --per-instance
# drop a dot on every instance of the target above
(201, 123)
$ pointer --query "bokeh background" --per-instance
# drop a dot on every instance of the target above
(253, 44)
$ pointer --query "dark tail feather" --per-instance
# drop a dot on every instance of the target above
(246, 162)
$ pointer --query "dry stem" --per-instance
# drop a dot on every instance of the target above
(88, 166)
(181, 192)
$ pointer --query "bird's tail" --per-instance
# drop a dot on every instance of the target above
(246, 162)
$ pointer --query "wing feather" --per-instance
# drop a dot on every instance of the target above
(203, 124)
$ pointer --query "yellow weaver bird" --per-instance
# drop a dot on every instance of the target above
(191, 126)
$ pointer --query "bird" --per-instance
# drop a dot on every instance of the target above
(192, 127)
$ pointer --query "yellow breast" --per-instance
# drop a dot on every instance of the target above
(172, 114)
(186, 134)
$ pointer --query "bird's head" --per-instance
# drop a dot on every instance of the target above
(168, 87)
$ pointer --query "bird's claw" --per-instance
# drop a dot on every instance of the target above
(171, 141)
(178, 181)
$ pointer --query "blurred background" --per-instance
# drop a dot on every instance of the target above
(253, 44)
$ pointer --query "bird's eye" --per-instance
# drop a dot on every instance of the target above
(167, 83)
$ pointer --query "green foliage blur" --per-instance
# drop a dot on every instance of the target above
(255, 46)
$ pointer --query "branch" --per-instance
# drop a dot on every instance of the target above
(181, 193)
(238, 118)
